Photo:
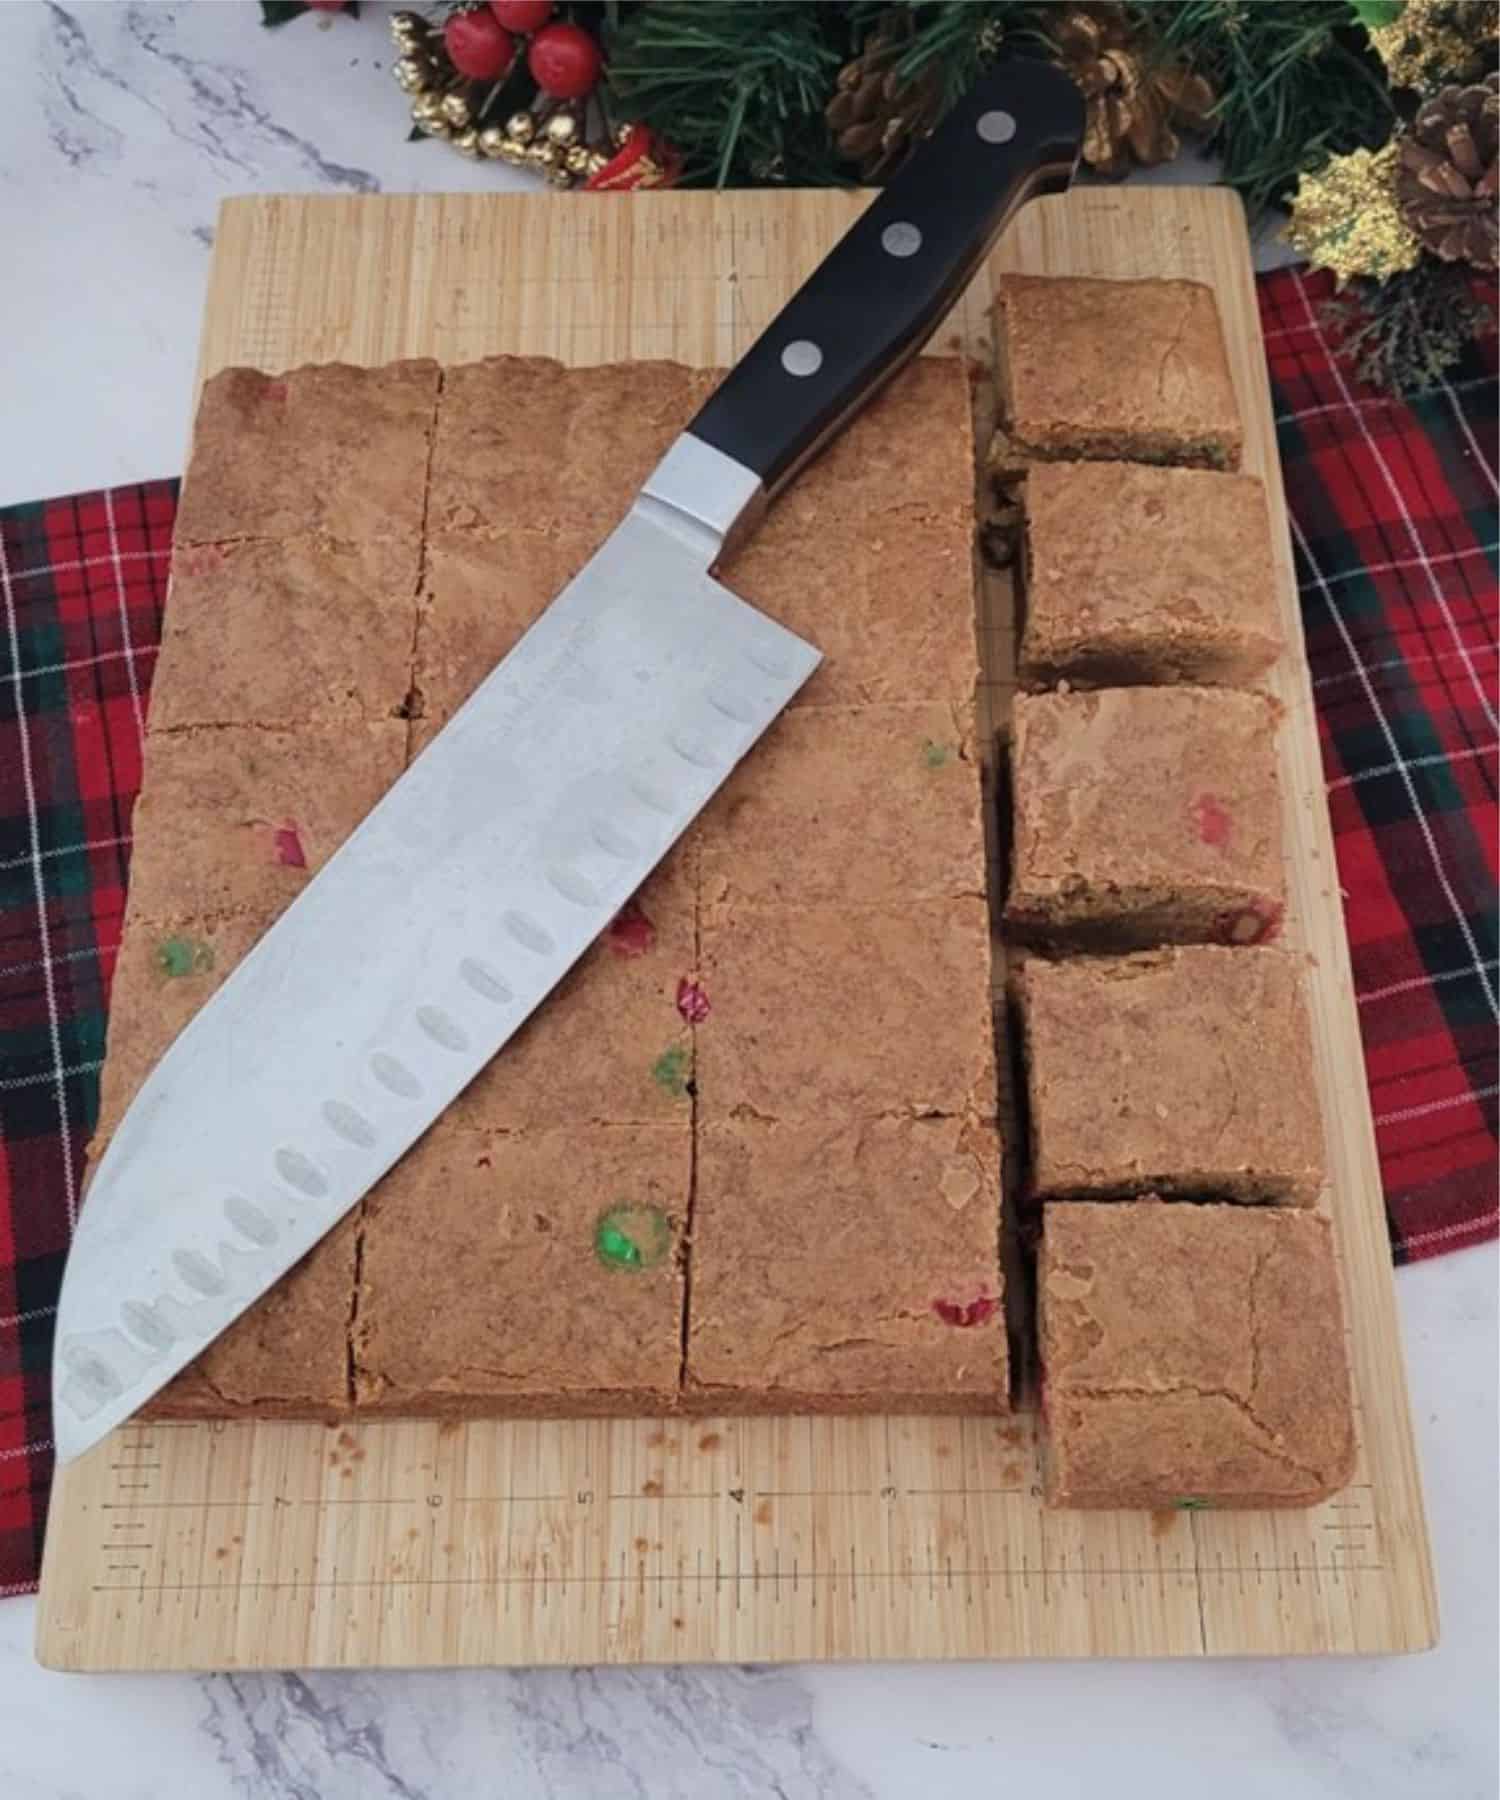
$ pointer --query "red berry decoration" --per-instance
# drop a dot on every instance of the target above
(523, 16)
(478, 45)
(564, 60)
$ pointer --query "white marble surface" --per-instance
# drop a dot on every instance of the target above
(121, 128)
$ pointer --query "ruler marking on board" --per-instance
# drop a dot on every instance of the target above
(548, 1578)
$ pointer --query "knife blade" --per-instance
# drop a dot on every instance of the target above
(509, 844)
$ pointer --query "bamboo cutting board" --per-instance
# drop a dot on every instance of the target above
(276, 1545)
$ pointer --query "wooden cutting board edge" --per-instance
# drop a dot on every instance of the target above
(327, 1570)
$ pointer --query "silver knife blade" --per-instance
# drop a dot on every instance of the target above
(425, 942)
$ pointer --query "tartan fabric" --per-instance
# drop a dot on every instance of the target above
(1394, 521)
(81, 589)
(1394, 529)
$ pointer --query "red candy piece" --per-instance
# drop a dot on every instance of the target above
(1213, 822)
(565, 61)
(478, 45)
(630, 932)
(976, 1312)
(524, 16)
(289, 852)
(692, 1002)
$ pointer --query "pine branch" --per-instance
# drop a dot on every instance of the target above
(1297, 83)
(738, 89)
(1404, 334)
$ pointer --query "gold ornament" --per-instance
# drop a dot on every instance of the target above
(435, 126)
(1345, 217)
(407, 25)
(576, 159)
(466, 143)
(428, 107)
(562, 129)
(512, 152)
(558, 176)
(597, 163)
(492, 141)
(456, 110)
(521, 126)
(541, 156)
(1133, 99)
(1449, 174)
(1438, 40)
(621, 136)
(411, 73)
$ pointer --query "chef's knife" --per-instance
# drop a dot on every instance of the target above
(511, 842)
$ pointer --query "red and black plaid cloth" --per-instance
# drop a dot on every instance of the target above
(1395, 524)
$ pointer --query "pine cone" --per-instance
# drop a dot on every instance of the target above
(1449, 174)
(876, 119)
(1132, 98)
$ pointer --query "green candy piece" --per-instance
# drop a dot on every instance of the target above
(179, 956)
(670, 1070)
(935, 755)
(632, 1237)
(1189, 1504)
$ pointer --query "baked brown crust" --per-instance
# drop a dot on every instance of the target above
(1192, 1355)
(1142, 574)
(1145, 816)
(1184, 1071)
(1134, 371)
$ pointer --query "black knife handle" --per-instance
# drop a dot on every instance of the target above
(893, 276)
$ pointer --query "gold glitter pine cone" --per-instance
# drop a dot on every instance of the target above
(1133, 97)
(1448, 174)
(1435, 41)
(875, 118)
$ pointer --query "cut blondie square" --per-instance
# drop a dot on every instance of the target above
(850, 806)
(1193, 1356)
(823, 1013)
(525, 1274)
(328, 449)
(1132, 371)
(1145, 816)
(288, 1356)
(1141, 574)
(286, 633)
(1184, 1071)
(240, 818)
(847, 1266)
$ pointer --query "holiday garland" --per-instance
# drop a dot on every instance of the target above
(1373, 121)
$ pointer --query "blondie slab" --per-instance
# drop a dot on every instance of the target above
(327, 449)
(848, 1266)
(535, 1273)
(1193, 1356)
(1140, 574)
(1184, 1071)
(1128, 370)
(1145, 816)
